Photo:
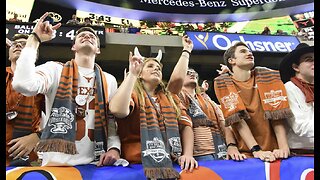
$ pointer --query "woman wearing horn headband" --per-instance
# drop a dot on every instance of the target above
(152, 116)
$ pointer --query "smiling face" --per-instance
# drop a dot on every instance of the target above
(151, 72)
(15, 49)
(242, 58)
(86, 40)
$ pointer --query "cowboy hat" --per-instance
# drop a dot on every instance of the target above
(286, 70)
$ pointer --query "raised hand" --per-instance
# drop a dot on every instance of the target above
(44, 29)
(135, 64)
(125, 73)
(187, 43)
(205, 85)
(224, 69)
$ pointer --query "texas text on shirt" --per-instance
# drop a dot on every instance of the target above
(44, 79)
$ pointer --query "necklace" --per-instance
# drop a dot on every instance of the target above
(85, 74)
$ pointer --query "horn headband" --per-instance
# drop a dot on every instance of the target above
(158, 58)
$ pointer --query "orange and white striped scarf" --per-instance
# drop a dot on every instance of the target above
(60, 131)
(271, 91)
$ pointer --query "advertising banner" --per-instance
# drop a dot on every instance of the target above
(222, 41)
(289, 169)
(203, 6)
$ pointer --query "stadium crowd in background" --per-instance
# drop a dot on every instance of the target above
(86, 121)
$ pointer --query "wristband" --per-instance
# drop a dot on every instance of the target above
(36, 36)
(231, 144)
(186, 51)
(255, 148)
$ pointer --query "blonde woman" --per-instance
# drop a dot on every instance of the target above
(151, 116)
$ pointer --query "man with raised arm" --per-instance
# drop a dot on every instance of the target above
(78, 128)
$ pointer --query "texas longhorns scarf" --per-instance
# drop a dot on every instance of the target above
(271, 91)
(160, 139)
(198, 116)
(24, 108)
(60, 131)
(28, 114)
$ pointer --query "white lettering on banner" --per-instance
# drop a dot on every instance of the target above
(223, 43)
(17, 26)
(208, 3)
(204, 3)
(24, 29)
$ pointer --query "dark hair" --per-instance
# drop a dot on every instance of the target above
(23, 36)
(19, 36)
(87, 29)
(229, 53)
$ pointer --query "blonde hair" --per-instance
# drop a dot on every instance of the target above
(139, 89)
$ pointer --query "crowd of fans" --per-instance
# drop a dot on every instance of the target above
(88, 118)
(170, 28)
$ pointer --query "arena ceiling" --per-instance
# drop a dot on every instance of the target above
(190, 10)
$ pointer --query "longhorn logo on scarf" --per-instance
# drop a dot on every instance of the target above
(230, 101)
(61, 119)
(274, 98)
(155, 149)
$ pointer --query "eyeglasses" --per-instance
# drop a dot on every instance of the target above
(194, 73)
(22, 43)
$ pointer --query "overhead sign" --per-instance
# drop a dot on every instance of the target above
(204, 6)
(223, 41)
(190, 10)
(64, 35)
(106, 19)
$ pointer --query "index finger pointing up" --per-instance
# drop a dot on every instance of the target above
(41, 19)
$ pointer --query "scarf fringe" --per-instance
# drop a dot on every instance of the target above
(57, 145)
(161, 173)
(202, 122)
(236, 117)
(278, 114)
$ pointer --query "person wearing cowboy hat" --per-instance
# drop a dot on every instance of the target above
(297, 72)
